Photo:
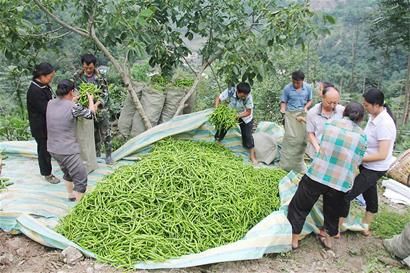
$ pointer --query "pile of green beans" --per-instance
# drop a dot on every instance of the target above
(182, 198)
(224, 117)
(88, 88)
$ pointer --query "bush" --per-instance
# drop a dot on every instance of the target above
(14, 128)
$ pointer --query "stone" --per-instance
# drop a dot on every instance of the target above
(72, 256)
(6, 259)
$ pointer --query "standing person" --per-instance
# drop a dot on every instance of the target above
(295, 101)
(102, 129)
(38, 95)
(331, 174)
(381, 134)
(240, 99)
(318, 115)
(62, 114)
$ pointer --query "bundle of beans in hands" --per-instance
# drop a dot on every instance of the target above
(223, 117)
(88, 88)
(182, 198)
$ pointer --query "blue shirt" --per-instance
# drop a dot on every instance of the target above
(296, 100)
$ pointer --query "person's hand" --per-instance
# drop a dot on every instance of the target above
(305, 109)
(90, 98)
(300, 119)
(75, 98)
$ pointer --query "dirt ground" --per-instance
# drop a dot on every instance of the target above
(352, 253)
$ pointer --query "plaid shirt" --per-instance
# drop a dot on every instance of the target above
(342, 149)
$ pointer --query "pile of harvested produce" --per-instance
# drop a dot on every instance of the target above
(223, 117)
(182, 198)
(88, 88)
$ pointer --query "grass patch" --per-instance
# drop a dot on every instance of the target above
(388, 223)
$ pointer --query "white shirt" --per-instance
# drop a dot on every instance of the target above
(380, 128)
(238, 104)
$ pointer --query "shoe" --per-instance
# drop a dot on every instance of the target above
(52, 179)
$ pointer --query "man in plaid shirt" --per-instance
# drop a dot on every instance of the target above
(331, 174)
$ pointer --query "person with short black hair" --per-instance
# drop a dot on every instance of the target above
(62, 114)
(331, 174)
(381, 134)
(295, 101)
(240, 99)
(102, 128)
(38, 95)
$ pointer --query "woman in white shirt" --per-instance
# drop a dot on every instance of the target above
(381, 135)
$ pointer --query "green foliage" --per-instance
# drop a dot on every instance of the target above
(388, 223)
(14, 128)
(139, 72)
(117, 97)
(159, 82)
(117, 142)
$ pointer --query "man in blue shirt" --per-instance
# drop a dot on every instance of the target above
(295, 100)
(296, 96)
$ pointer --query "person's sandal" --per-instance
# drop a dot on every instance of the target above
(52, 179)
(322, 234)
(322, 241)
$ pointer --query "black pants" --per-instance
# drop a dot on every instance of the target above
(307, 194)
(365, 183)
(246, 132)
(44, 158)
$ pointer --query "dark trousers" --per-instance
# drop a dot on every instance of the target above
(74, 170)
(307, 194)
(246, 132)
(365, 183)
(102, 133)
(44, 158)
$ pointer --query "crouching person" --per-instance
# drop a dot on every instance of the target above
(61, 115)
(331, 174)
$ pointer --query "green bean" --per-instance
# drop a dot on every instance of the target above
(224, 117)
(182, 198)
(88, 88)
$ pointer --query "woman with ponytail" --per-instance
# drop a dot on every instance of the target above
(381, 135)
(38, 95)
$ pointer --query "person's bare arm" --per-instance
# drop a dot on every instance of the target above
(217, 101)
(308, 104)
(313, 140)
(283, 107)
(245, 113)
(382, 153)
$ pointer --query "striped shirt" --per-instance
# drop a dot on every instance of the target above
(342, 148)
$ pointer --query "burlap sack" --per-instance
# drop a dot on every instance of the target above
(399, 245)
(172, 100)
(266, 147)
(128, 111)
(152, 102)
(294, 143)
(85, 136)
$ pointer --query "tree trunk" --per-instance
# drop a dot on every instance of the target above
(125, 78)
(91, 35)
(192, 90)
(406, 110)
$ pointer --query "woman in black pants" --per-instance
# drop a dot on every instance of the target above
(381, 136)
(38, 95)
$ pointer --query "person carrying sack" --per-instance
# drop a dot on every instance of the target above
(295, 101)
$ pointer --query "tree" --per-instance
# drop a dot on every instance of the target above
(392, 28)
(239, 32)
